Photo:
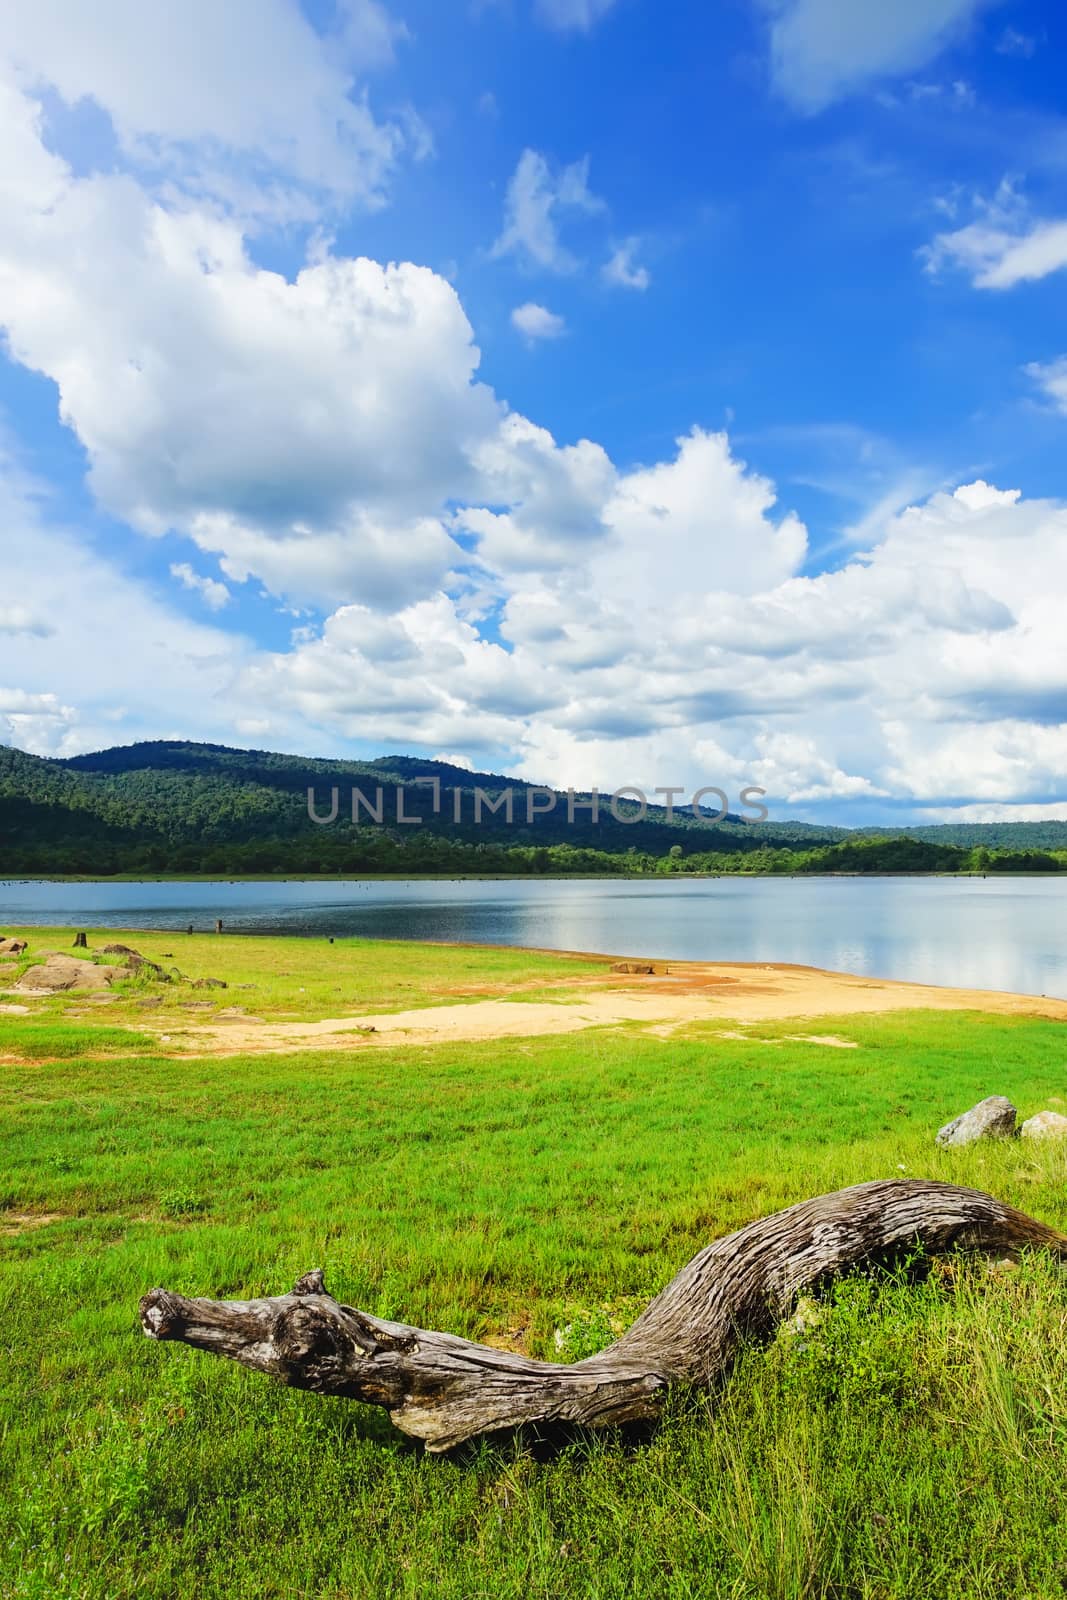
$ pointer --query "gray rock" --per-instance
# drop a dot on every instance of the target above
(993, 1118)
(1046, 1125)
(58, 973)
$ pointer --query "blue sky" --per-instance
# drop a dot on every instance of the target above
(602, 391)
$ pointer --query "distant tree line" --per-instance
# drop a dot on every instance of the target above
(173, 807)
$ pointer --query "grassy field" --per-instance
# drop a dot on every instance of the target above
(907, 1442)
(294, 978)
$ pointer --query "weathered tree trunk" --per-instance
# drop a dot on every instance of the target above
(444, 1389)
(80, 942)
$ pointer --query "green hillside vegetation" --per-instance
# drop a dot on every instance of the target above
(176, 807)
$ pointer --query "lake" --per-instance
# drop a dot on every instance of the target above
(985, 933)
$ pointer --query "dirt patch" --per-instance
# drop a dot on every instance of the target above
(14, 1222)
(689, 993)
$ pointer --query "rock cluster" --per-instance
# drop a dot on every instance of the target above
(995, 1118)
(55, 973)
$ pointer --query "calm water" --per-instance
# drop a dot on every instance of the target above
(1003, 933)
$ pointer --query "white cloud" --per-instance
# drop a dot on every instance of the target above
(580, 14)
(823, 50)
(1052, 377)
(1004, 246)
(620, 270)
(556, 497)
(702, 515)
(999, 260)
(383, 560)
(488, 587)
(106, 662)
(984, 811)
(537, 322)
(535, 199)
(309, 430)
(214, 594)
(243, 100)
(982, 496)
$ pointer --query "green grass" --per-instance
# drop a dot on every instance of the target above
(907, 1443)
(37, 1040)
(302, 979)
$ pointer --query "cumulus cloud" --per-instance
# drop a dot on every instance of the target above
(478, 584)
(245, 101)
(422, 675)
(702, 515)
(621, 270)
(535, 200)
(1004, 246)
(314, 425)
(555, 495)
(537, 322)
(926, 668)
(822, 50)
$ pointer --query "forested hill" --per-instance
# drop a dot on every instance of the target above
(173, 806)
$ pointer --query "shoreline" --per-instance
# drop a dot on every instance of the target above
(667, 973)
(499, 877)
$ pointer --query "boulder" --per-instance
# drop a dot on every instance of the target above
(993, 1118)
(12, 947)
(1046, 1125)
(57, 974)
(136, 963)
(636, 968)
(209, 983)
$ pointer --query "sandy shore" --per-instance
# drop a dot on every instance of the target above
(676, 995)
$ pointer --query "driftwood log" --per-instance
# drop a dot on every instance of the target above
(444, 1389)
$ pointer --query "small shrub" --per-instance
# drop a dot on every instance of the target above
(178, 1203)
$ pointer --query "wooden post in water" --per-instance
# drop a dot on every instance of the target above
(218, 924)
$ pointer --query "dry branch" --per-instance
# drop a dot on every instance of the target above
(444, 1390)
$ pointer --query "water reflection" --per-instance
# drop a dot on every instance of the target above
(1003, 933)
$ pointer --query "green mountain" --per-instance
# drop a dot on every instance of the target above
(175, 806)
